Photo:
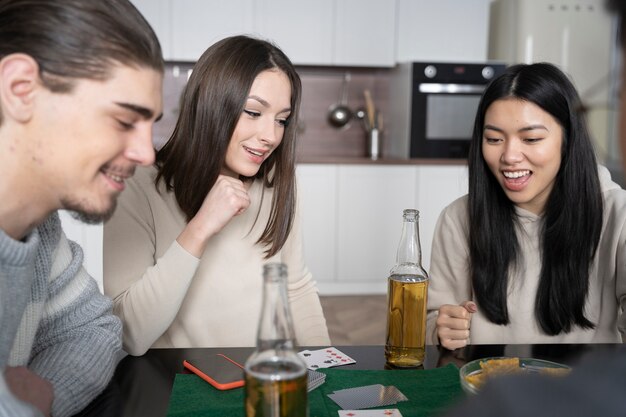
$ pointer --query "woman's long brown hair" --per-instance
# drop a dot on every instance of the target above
(213, 100)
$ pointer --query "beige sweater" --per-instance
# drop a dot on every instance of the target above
(168, 298)
(450, 283)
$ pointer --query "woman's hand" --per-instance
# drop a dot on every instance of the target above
(453, 324)
(228, 198)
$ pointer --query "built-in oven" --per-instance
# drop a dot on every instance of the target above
(433, 106)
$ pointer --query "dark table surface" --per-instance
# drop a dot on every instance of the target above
(142, 385)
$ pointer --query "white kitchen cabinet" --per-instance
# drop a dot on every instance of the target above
(323, 32)
(89, 237)
(437, 186)
(352, 218)
(317, 195)
(157, 14)
(302, 29)
(442, 30)
(365, 34)
(198, 24)
(369, 219)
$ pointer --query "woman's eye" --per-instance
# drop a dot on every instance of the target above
(283, 122)
(252, 113)
(491, 140)
(532, 140)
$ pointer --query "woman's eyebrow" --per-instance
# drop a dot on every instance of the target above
(266, 104)
(533, 127)
(492, 127)
(523, 129)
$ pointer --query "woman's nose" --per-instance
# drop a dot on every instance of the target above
(270, 132)
(512, 152)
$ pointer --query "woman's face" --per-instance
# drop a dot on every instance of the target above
(261, 125)
(522, 147)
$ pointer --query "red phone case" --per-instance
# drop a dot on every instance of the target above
(216, 384)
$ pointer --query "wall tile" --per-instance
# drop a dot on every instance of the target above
(321, 90)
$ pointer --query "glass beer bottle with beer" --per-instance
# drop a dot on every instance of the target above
(275, 376)
(406, 299)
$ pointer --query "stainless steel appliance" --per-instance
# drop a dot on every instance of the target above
(433, 106)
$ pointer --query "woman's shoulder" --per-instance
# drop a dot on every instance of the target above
(144, 175)
(457, 208)
(141, 189)
(613, 194)
(454, 216)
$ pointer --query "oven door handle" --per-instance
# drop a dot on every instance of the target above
(443, 88)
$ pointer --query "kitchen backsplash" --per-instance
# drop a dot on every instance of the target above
(322, 88)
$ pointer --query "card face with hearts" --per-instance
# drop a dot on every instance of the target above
(325, 358)
(392, 412)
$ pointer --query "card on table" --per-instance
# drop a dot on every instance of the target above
(325, 358)
(368, 396)
(392, 412)
(315, 379)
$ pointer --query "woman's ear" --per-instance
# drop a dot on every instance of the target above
(19, 80)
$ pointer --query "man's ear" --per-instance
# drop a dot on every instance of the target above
(19, 81)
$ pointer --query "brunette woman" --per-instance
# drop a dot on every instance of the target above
(536, 252)
(183, 255)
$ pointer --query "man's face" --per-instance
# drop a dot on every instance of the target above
(89, 141)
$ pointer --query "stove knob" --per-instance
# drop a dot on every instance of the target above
(430, 71)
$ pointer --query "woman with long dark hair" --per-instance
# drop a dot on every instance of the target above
(183, 256)
(536, 252)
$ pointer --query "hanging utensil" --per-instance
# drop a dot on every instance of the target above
(339, 114)
(370, 110)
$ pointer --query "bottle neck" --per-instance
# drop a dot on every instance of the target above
(409, 255)
(275, 326)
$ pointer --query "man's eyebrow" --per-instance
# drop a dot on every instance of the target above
(140, 110)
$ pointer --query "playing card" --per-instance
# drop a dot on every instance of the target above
(315, 379)
(325, 358)
(367, 397)
(392, 412)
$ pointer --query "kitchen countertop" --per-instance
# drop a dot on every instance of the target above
(380, 161)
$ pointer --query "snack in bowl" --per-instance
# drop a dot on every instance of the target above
(474, 374)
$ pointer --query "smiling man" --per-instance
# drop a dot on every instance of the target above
(80, 88)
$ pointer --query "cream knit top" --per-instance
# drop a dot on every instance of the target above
(450, 282)
(168, 298)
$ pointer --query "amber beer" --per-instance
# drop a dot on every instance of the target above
(266, 396)
(406, 320)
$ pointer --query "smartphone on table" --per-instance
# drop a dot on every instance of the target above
(218, 370)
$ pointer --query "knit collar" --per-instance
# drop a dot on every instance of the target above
(526, 216)
(18, 252)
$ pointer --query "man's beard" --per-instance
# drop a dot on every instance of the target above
(83, 214)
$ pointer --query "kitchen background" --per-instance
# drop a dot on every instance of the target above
(351, 205)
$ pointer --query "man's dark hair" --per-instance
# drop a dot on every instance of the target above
(77, 39)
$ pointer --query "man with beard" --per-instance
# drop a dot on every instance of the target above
(80, 88)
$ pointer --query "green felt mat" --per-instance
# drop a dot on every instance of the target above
(429, 392)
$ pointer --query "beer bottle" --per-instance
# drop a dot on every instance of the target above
(275, 376)
(407, 290)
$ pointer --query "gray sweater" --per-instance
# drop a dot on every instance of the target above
(54, 320)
